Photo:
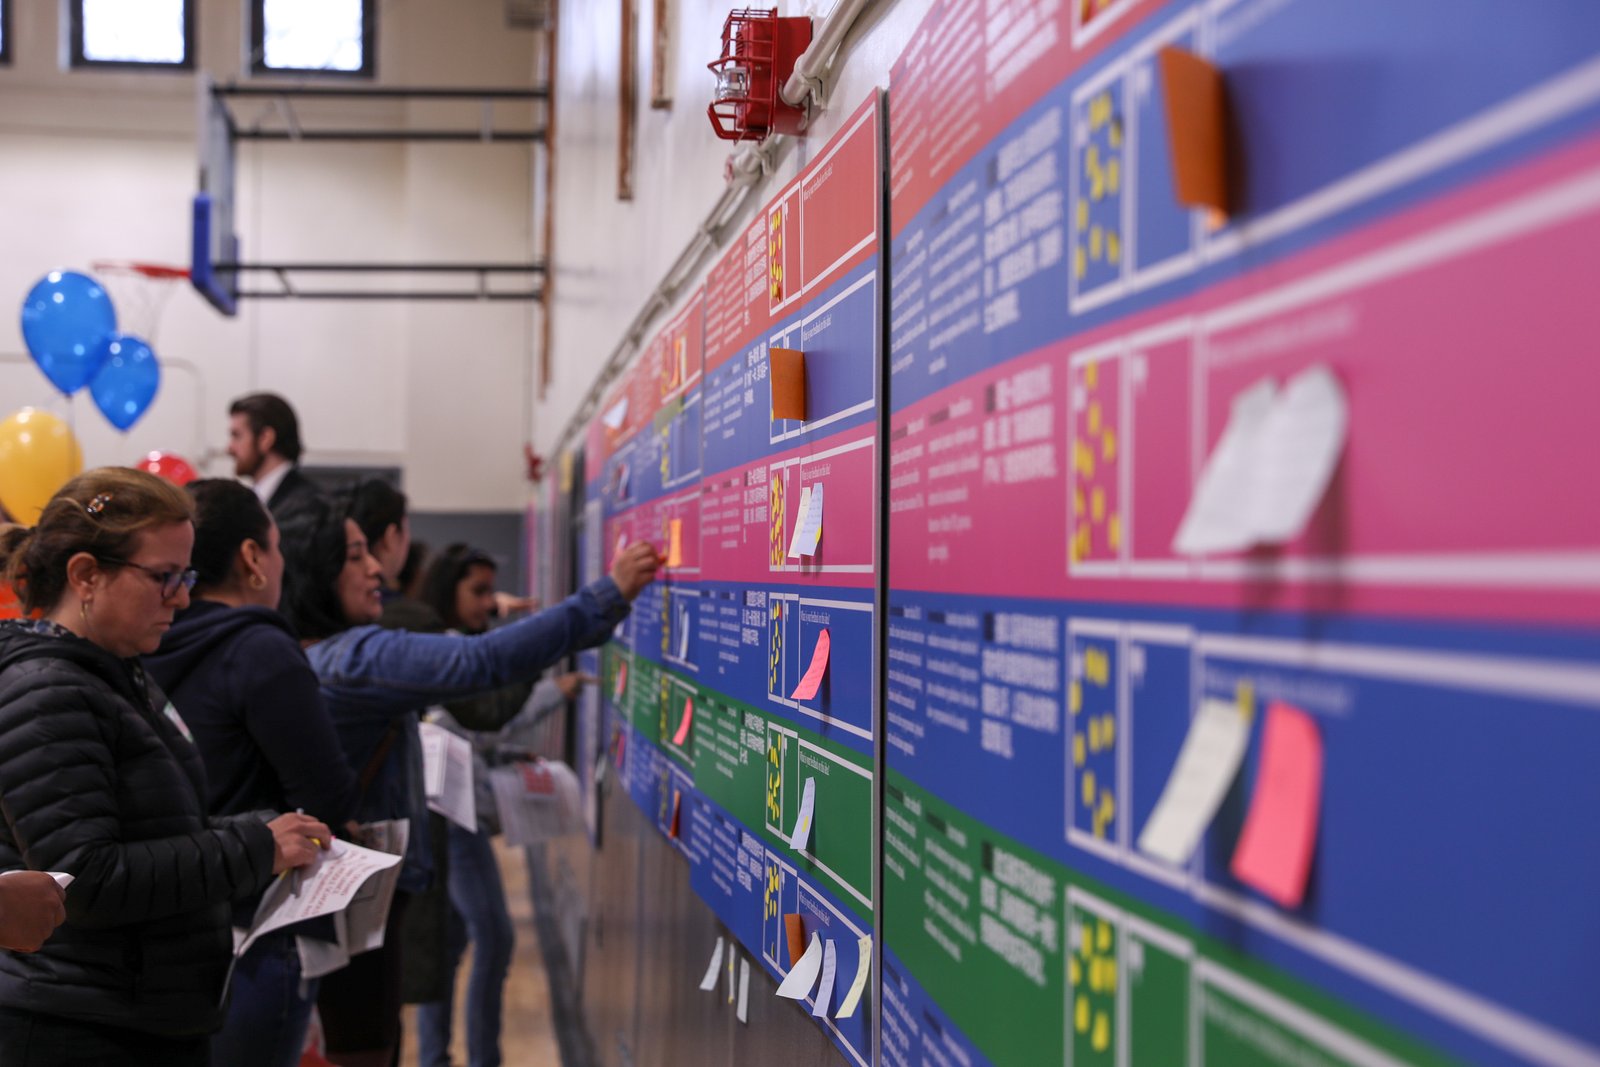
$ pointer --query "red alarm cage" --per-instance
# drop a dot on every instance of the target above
(759, 51)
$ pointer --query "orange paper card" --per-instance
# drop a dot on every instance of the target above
(675, 543)
(1280, 832)
(1197, 128)
(796, 928)
(787, 369)
(819, 667)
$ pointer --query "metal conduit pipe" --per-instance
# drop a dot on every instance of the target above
(806, 80)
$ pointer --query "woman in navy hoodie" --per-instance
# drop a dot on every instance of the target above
(235, 669)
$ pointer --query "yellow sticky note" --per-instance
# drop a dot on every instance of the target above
(1094, 735)
(1102, 936)
(1091, 374)
(1080, 1015)
(675, 543)
(1108, 445)
(1094, 413)
(1088, 789)
(1080, 262)
(1077, 750)
(1114, 532)
(1113, 175)
(1108, 729)
(1102, 1032)
(1108, 806)
(1083, 215)
(1113, 247)
(1075, 697)
(1096, 237)
(1245, 697)
(1076, 971)
(1097, 504)
(1097, 665)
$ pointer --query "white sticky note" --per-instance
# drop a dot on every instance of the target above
(830, 967)
(1218, 516)
(709, 982)
(744, 990)
(616, 415)
(1299, 450)
(1207, 765)
(808, 527)
(852, 998)
(802, 976)
(801, 835)
(800, 513)
(1271, 467)
(683, 634)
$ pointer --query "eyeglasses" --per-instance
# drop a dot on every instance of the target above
(170, 581)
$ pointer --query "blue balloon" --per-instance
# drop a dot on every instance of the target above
(66, 318)
(127, 380)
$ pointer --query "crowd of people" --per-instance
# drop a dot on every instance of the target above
(203, 689)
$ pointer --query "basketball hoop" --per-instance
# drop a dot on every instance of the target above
(139, 291)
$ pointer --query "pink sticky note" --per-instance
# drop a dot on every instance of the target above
(1280, 832)
(622, 682)
(684, 723)
(819, 667)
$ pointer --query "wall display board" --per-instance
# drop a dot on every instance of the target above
(1417, 222)
(739, 697)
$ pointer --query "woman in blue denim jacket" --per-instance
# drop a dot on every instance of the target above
(375, 681)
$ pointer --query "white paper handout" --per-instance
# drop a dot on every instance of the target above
(331, 884)
(1270, 468)
(537, 801)
(830, 967)
(447, 775)
(1207, 765)
(803, 975)
(616, 415)
(802, 822)
(709, 982)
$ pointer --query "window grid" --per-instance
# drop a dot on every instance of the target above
(367, 45)
(79, 34)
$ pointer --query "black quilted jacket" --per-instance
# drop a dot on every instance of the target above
(98, 779)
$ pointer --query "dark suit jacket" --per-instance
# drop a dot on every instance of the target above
(294, 487)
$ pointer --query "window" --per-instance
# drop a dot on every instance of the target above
(133, 33)
(312, 36)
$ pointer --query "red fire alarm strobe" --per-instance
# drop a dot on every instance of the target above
(759, 50)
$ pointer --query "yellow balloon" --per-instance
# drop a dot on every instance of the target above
(38, 455)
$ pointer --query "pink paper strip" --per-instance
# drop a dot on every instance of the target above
(1280, 831)
(819, 666)
(684, 723)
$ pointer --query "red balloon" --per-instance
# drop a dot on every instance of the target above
(174, 469)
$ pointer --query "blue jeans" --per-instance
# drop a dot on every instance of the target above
(267, 1016)
(480, 902)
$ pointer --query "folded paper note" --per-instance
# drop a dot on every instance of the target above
(847, 1006)
(1197, 129)
(1207, 764)
(802, 821)
(812, 681)
(830, 967)
(709, 982)
(1280, 832)
(797, 984)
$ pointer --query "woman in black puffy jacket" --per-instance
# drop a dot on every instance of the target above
(99, 779)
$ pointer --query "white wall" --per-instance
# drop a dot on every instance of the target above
(609, 255)
(102, 165)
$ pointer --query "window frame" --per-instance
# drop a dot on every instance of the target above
(76, 60)
(258, 47)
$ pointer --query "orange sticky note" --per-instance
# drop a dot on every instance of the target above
(819, 666)
(684, 723)
(1280, 831)
(1197, 128)
(796, 929)
(675, 543)
(787, 369)
(677, 804)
